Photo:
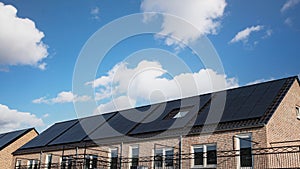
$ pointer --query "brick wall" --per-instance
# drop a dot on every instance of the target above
(6, 157)
(284, 125)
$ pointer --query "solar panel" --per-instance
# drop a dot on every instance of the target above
(121, 123)
(160, 123)
(48, 135)
(267, 99)
(81, 129)
(8, 137)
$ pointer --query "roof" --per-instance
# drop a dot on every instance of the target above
(243, 107)
(8, 138)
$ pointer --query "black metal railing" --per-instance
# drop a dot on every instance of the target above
(271, 158)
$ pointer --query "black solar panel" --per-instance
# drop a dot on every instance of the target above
(80, 130)
(121, 123)
(8, 137)
(48, 135)
(246, 102)
(160, 123)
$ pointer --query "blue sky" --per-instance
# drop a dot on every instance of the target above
(255, 41)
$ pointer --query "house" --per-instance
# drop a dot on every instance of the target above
(255, 126)
(10, 142)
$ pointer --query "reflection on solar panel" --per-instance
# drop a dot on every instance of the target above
(48, 135)
(79, 131)
(6, 138)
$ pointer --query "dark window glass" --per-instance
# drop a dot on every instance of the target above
(35, 166)
(198, 156)
(158, 158)
(135, 156)
(94, 161)
(64, 162)
(87, 162)
(245, 152)
(169, 158)
(114, 159)
(211, 154)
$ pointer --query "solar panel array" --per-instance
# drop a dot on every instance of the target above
(50, 134)
(7, 138)
(242, 103)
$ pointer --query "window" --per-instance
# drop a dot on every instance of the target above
(134, 157)
(298, 112)
(160, 161)
(204, 155)
(18, 164)
(91, 161)
(66, 162)
(32, 164)
(48, 161)
(244, 145)
(158, 158)
(114, 158)
(178, 113)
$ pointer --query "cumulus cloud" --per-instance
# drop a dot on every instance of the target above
(204, 15)
(95, 12)
(20, 41)
(289, 4)
(146, 83)
(11, 119)
(63, 97)
(244, 34)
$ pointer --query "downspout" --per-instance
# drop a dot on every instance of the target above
(180, 149)
(121, 150)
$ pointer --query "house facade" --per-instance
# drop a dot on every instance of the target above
(256, 126)
(10, 142)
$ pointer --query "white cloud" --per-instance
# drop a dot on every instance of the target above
(95, 12)
(204, 15)
(63, 97)
(11, 119)
(244, 34)
(289, 4)
(259, 81)
(20, 40)
(119, 103)
(288, 21)
(146, 83)
(46, 115)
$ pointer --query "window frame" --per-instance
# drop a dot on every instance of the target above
(91, 161)
(131, 155)
(32, 164)
(110, 157)
(163, 158)
(66, 161)
(47, 161)
(204, 156)
(238, 148)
